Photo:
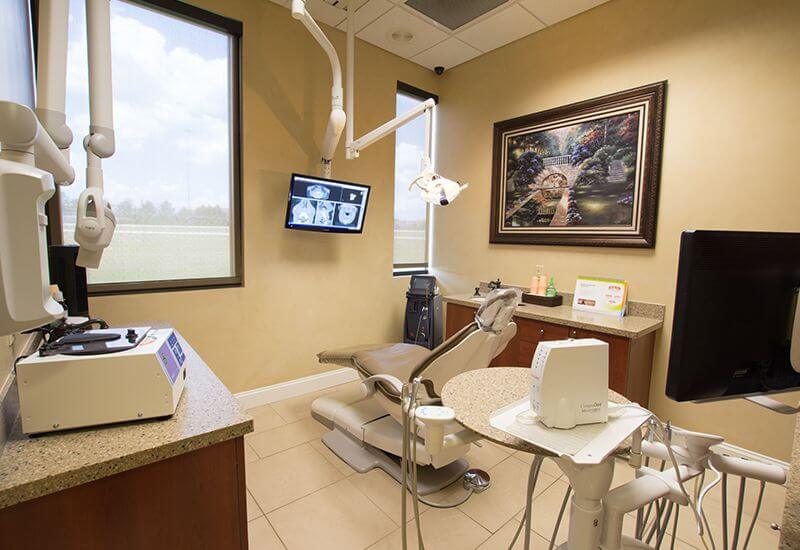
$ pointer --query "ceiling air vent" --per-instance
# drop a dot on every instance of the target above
(454, 13)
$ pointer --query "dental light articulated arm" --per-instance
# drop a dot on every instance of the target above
(435, 189)
(95, 224)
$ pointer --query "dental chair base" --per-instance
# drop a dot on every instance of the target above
(360, 430)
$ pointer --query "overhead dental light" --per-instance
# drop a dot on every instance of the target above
(434, 188)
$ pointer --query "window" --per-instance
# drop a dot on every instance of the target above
(173, 181)
(411, 214)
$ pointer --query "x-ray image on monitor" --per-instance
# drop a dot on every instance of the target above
(303, 211)
(347, 214)
(320, 204)
(325, 211)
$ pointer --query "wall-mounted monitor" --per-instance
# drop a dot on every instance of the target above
(320, 204)
(736, 330)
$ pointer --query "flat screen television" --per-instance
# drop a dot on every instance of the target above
(320, 204)
(736, 327)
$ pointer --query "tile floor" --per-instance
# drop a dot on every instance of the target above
(301, 496)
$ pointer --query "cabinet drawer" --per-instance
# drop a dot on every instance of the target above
(530, 333)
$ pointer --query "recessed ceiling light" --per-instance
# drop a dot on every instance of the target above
(401, 36)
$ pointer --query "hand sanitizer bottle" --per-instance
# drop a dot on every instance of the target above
(551, 291)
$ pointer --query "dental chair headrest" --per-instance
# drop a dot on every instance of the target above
(497, 310)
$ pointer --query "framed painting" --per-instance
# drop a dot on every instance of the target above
(583, 174)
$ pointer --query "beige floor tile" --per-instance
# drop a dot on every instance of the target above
(447, 529)
(253, 511)
(546, 506)
(771, 508)
(295, 408)
(502, 538)
(336, 517)
(506, 497)
(249, 454)
(487, 456)
(279, 439)
(265, 418)
(331, 457)
(384, 491)
(261, 535)
(763, 536)
(548, 466)
(623, 473)
(284, 477)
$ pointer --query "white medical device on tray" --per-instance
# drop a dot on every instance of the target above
(569, 383)
(86, 387)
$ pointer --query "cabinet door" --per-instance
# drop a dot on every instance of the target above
(617, 358)
(530, 333)
(457, 317)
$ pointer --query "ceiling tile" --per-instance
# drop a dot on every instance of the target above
(553, 11)
(379, 33)
(325, 13)
(447, 54)
(368, 13)
(501, 28)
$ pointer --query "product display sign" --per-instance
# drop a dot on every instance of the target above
(607, 296)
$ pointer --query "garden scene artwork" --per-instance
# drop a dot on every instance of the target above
(582, 174)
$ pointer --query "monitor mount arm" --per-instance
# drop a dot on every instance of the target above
(794, 359)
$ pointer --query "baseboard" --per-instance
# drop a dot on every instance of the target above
(733, 450)
(293, 388)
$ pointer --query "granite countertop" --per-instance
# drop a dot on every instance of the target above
(207, 414)
(475, 395)
(630, 326)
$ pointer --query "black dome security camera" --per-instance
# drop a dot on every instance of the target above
(438, 70)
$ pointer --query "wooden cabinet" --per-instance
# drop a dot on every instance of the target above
(629, 363)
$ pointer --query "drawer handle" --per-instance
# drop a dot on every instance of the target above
(541, 332)
(573, 333)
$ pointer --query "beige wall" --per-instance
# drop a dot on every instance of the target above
(729, 159)
(304, 292)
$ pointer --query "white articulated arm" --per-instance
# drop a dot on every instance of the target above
(95, 224)
(337, 118)
(51, 79)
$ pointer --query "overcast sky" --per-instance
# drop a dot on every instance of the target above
(170, 85)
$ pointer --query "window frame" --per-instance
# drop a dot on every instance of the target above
(415, 268)
(232, 28)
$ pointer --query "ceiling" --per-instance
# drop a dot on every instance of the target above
(397, 27)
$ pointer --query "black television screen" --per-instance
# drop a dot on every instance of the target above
(735, 309)
(320, 204)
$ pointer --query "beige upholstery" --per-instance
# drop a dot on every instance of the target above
(468, 349)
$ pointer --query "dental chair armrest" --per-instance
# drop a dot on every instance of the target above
(368, 385)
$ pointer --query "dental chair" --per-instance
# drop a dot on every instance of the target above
(366, 423)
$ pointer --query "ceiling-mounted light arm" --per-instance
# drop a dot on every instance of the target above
(354, 146)
(95, 222)
(391, 126)
(51, 74)
(337, 118)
